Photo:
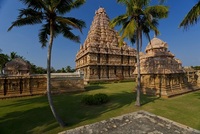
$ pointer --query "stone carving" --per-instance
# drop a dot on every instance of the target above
(101, 58)
(161, 73)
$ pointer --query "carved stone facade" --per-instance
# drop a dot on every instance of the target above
(100, 58)
(161, 73)
(23, 85)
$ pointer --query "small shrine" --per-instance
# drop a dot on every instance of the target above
(101, 58)
(17, 66)
(161, 73)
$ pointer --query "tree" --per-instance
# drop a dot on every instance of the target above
(3, 60)
(192, 16)
(139, 19)
(50, 13)
(14, 55)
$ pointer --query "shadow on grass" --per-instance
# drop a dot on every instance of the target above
(36, 117)
(30, 114)
(197, 93)
(145, 99)
(94, 87)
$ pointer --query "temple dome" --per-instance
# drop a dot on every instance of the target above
(156, 43)
(17, 66)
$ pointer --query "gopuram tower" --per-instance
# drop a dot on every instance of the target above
(101, 58)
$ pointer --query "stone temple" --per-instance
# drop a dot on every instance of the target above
(161, 73)
(100, 58)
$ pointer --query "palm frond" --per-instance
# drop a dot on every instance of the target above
(192, 17)
(25, 21)
(66, 5)
(75, 23)
(129, 29)
(78, 3)
(118, 20)
(63, 6)
(43, 34)
(66, 32)
(158, 11)
(29, 12)
(35, 4)
(27, 17)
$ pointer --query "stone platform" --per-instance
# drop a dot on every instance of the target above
(140, 122)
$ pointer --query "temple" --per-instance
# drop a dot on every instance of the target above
(17, 66)
(161, 73)
(101, 58)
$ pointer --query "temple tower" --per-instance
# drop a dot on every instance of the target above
(161, 73)
(101, 58)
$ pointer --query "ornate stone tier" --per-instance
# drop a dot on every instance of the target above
(101, 58)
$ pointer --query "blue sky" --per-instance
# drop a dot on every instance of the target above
(24, 40)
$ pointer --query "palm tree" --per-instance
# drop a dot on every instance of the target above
(4, 58)
(192, 16)
(50, 13)
(139, 19)
(13, 55)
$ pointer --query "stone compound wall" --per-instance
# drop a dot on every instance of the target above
(16, 86)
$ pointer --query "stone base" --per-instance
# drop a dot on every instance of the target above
(140, 122)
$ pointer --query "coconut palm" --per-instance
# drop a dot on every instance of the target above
(138, 19)
(50, 13)
(192, 16)
(4, 58)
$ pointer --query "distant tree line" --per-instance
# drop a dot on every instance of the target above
(196, 67)
(4, 58)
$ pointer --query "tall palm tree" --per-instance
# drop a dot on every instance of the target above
(50, 13)
(139, 19)
(192, 16)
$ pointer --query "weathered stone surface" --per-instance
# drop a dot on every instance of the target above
(101, 58)
(134, 123)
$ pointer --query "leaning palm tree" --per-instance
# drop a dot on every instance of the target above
(50, 13)
(139, 19)
(192, 16)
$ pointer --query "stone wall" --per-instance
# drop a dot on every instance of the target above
(198, 77)
(15, 86)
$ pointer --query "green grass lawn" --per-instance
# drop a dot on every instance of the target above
(33, 115)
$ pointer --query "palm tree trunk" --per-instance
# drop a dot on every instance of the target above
(137, 103)
(61, 123)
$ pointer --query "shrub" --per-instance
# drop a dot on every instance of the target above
(96, 99)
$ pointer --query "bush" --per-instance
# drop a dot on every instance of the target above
(96, 99)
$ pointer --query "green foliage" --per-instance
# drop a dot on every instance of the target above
(192, 16)
(96, 99)
(196, 67)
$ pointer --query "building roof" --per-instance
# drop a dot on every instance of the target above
(156, 43)
(17, 64)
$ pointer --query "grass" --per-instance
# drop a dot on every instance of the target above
(33, 115)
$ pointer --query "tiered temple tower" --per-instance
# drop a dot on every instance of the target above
(100, 58)
(161, 73)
